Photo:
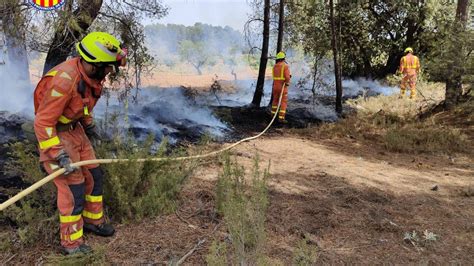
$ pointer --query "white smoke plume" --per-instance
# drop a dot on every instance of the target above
(17, 93)
(163, 112)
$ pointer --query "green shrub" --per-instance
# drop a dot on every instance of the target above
(305, 253)
(35, 216)
(217, 254)
(243, 206)
(134, 190)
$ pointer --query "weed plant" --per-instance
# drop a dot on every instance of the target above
(242, 202)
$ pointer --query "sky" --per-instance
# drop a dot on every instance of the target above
(231, 13)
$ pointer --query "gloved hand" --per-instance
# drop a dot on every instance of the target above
(93, 135)
(65, 162)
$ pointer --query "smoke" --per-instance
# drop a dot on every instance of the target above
(17, 93)
(164, 113)
(361, 85)
(325, 81)
(243, 95)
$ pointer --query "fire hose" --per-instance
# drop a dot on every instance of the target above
(59, 172)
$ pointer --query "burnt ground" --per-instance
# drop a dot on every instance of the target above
(248, 120)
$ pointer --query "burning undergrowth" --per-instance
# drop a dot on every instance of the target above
(162, 113)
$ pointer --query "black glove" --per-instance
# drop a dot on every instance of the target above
(93, 135)
(65, 162)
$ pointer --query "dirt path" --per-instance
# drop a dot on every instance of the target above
(292, 155)
(356, 206)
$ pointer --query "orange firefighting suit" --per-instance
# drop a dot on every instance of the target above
(281, 75)
(64, 99)
(409, 66)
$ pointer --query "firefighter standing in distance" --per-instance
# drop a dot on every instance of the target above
(64, 99)
(409, 67)
(281, 76)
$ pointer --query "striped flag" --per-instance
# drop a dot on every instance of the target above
(47, 4)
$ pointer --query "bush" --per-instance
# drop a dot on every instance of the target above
(243, 208)
(135, 190)
(35, 216)
(305, 253)
(217, 254)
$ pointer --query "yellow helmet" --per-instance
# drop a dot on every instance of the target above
(280, 55)
(409, 50)
(100, 47)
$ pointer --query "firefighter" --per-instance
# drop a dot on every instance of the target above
(281, 76)
(64, 99)
(409, 67)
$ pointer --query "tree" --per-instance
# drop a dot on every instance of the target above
(336, 57)
(281, 19)
(257, 96)
(375, 32)
(231, 59)
(195, 53)
(457, 54)
(56, 32)
(71, 26)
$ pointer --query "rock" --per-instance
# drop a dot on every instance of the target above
(435, 188)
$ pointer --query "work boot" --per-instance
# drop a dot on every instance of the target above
(402, 94)
(102, 229)
(282, 121)
(82, 249)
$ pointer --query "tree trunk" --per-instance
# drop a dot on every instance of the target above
(198, 69)
(64, 40)
(335, 51)
(393, 62)
(15, 42)
(257, 96)
(315, 75)
(456, 66)
(281, 20)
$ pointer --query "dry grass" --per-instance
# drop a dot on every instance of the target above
(395, 124)
(428, 95)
